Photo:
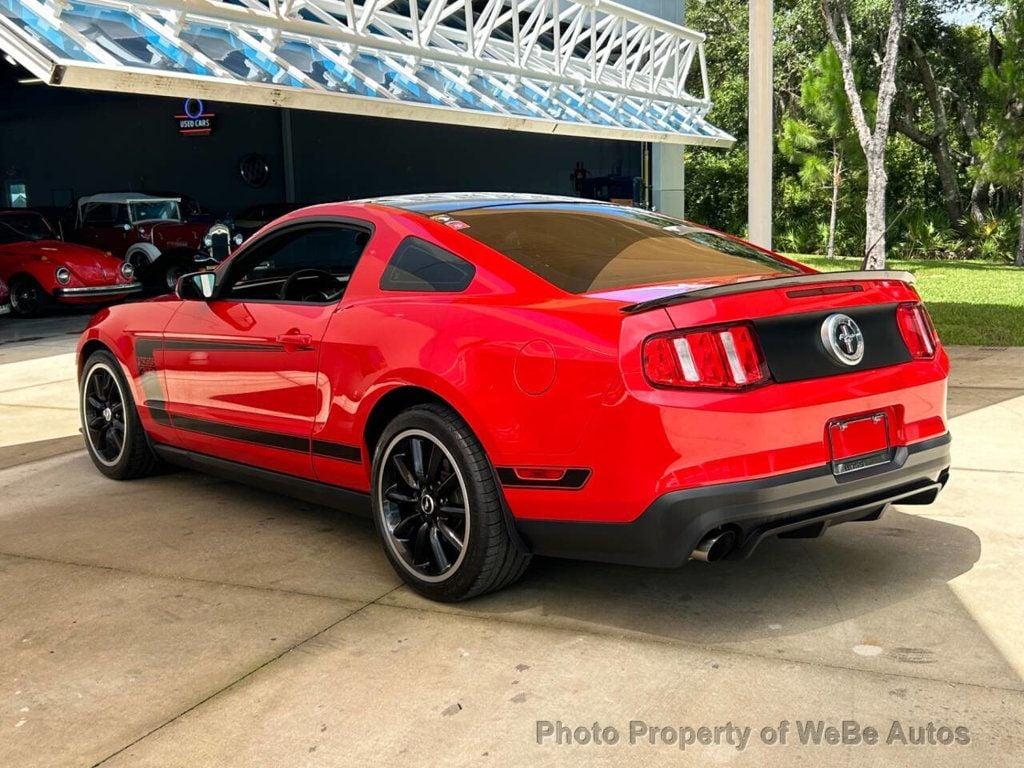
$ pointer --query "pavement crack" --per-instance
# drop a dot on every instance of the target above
(192, 579)
(242, 678)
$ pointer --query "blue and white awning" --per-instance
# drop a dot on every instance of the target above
(573, 67)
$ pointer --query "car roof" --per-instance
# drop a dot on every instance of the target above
(122, 197)
(448, 202)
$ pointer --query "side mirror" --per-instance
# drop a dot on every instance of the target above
(196, 286)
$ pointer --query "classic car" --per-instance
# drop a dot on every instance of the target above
(41, 269)
(148, 232)
(496, 376)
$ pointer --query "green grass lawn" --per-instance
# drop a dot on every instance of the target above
(970, 302)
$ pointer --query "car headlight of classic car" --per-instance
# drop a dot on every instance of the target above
(218, 241)
(63, 275)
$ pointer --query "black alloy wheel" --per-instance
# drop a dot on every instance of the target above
(114, 436)
(438, 508)
(425, 511)
(103, 414)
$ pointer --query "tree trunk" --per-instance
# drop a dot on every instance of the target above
(1020, 241)
(872, 142)
(874, 241)
(979, 200)
(950, 187)
(837, 178)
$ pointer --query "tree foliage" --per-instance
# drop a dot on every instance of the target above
(950, 193)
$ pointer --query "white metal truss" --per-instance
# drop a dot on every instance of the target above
(576, 67)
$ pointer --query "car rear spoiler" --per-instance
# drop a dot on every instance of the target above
(749, 286)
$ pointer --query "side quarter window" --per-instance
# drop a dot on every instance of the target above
(417, 265)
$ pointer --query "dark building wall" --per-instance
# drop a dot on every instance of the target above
(64, 143)
(57, 140)
(342, 157)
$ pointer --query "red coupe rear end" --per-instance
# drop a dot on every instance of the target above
(757, 396)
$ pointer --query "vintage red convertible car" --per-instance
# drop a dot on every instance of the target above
(149, 232)
(41, 269)
(494, 376)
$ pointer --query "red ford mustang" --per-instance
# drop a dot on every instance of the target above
(497, 376)
(41, 269)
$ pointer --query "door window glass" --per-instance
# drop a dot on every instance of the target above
(307, 264)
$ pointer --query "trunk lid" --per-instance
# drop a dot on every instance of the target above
(789, 317)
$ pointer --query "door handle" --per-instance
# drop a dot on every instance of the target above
(296, 342)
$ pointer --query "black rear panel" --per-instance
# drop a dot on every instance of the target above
(793, 349)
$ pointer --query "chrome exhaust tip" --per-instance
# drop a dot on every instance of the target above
(714, 547)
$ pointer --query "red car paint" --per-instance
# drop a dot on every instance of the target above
(551, 382)
(123, 231)
(37, 256)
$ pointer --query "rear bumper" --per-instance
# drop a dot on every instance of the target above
(800, 503)
(98, 291)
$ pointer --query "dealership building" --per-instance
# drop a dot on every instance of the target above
(246, 102)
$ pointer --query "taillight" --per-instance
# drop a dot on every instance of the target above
(709, 358)
(917, 330)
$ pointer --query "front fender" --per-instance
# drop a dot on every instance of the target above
(141, 254)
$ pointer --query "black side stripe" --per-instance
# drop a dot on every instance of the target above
(572, 480)
(295, 443)
(336, 450)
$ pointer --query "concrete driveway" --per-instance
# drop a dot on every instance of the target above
(187, 621)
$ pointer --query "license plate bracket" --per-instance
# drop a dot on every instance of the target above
(859, 442)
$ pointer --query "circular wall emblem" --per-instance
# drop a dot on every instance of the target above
(255, 170)
(194, 108)
(842, 339)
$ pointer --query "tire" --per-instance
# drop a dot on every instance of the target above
(489, 559)
(172, 274)
(28, 298)
(103, 384)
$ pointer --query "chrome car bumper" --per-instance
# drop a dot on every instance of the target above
(99, 290)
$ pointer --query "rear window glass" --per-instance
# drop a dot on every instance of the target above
(583, 248)
(421, 266)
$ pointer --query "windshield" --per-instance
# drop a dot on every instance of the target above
(16, 227)
(583, 248)
(154, 210)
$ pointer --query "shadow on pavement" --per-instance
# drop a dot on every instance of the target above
(787, 586)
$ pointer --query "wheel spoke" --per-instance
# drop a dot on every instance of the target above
(117, 407)
(419, 548)
(452, 509)
(97, 421)
(440, 558)
(94, 402)
(405, 526)
(398, 497)
(416, 449)
(446, 484)
(449, 535)
(97, 389)
(114, 439)
(403, 471)
(434, 463)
